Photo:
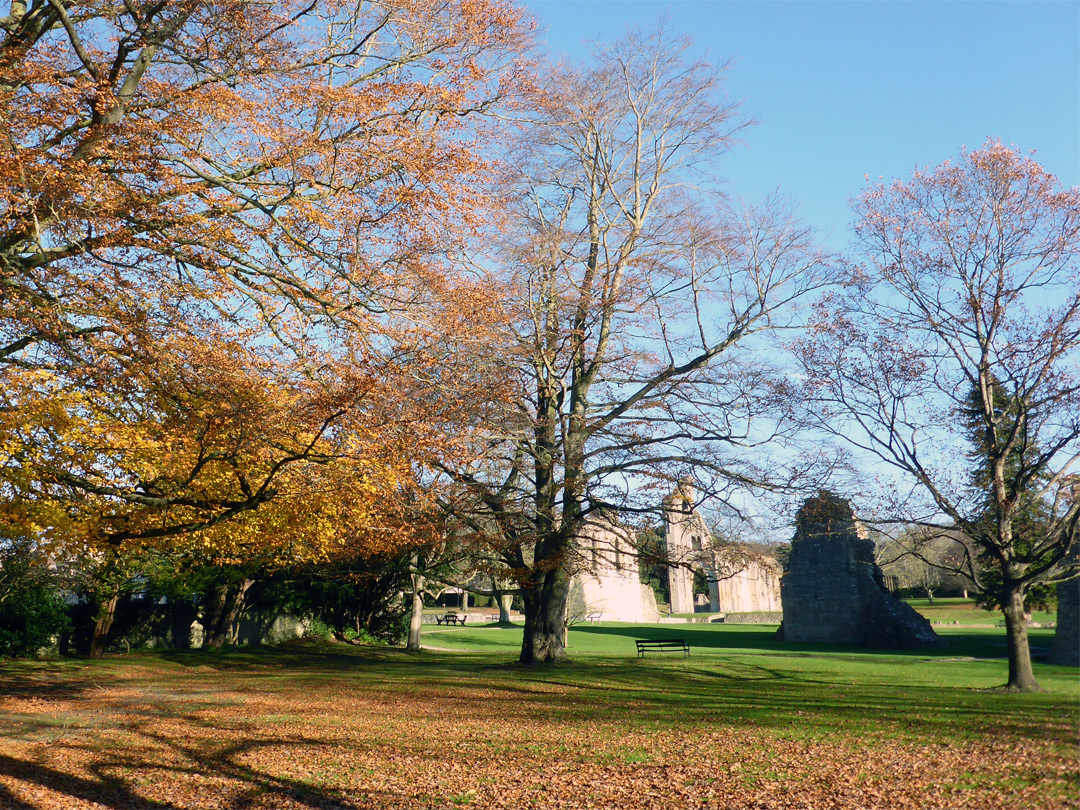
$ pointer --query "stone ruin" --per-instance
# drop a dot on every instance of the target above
(737, 584)
(833, 591)
(608, 583)
(1066, 648)
(607, 580)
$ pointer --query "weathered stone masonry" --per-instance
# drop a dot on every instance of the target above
(833, 591)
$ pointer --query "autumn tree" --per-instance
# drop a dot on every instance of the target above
(634, 295)
(223, 228)
(954, 360)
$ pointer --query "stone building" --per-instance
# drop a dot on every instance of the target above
(1066, 649)
(833, 591)
(687, 537)
(738, 582)
(608, 581)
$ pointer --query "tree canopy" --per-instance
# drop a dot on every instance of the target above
(954, 358)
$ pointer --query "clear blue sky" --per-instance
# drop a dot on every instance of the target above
(847, 89)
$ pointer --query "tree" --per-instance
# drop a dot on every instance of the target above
(633, 296)
(959, 338)
(925, 560)
(214, 217)
(31, 610)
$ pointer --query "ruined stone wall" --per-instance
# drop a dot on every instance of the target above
(608, 580)
(685, 535)
(833, 592)
(754, 588)
(1066, 648)
(736, 584)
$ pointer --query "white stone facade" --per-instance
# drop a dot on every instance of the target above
(752, 588)
(608, 576)
(738, 583)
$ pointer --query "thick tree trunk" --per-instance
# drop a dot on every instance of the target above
(212, 621)
(1021, 676)
(236, 607)
(416, 618)
(504, 608)
(103, 624)
(545, 598)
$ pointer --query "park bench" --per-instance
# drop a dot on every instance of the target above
(594, 617)
(450, 618)
(663, 645)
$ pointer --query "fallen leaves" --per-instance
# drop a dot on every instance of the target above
(263, 737)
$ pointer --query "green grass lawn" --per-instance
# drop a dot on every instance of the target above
(975, 656)
(746, 721)
(965, 611)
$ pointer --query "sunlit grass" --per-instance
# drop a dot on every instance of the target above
(317, 724)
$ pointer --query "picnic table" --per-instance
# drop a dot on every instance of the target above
(451, 618)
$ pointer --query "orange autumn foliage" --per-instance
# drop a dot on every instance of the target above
(223, 231)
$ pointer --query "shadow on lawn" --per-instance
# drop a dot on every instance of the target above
(976, 644)
(110, 768)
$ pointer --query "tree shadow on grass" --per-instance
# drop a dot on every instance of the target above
(987, 644)
(248, 785)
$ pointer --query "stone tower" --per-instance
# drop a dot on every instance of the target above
(833, 591)
(686, 536)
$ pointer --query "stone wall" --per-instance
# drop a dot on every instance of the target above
(1066, 648)
(833, 592)
(753, 587)
(755, 617)
(738, 582)
(608, 580)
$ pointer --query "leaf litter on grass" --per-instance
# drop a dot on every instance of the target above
(233, 737)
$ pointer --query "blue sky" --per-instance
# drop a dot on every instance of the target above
(847, 89)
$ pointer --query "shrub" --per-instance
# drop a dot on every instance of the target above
(30, 618)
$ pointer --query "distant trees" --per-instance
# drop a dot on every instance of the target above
(954, 358)
(920, 560)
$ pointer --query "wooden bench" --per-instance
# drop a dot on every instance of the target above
(663, 645)
(451, 618)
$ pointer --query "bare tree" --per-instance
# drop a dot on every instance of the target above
(954, 359)
(637, 298)
(924, 559)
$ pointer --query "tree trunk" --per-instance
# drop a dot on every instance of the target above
(416, 618)
(545, 598)
(212, 622)
(103, 624)
(236, 607)
(504, 608)
(1021, 676)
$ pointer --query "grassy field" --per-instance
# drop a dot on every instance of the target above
(965, 611)
(744, 722)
